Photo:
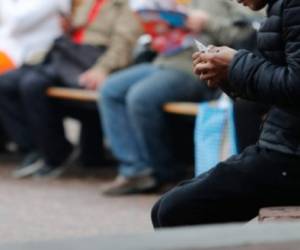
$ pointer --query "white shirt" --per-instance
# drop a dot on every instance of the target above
(28, 27)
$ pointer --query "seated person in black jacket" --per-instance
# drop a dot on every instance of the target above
(267, 174)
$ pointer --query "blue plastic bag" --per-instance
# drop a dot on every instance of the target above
(215, 138)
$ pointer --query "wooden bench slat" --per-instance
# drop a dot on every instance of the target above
(180, 108)
(72, 94)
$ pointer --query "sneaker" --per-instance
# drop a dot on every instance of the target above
(28, 169)
(31, 158)
(134, 185)
(48, 171)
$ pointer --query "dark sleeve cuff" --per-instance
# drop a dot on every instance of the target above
(235, 74)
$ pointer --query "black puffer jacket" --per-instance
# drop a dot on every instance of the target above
(274, 76)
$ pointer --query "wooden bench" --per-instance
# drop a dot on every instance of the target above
(72, 94)
(181, 108)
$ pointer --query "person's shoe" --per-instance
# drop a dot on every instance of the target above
(31, 158)
(29, 168)
(134, 185)
(48, 171)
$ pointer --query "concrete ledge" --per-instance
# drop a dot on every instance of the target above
(279, 214)
(284, 236)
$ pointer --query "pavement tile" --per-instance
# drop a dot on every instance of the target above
(71, 206)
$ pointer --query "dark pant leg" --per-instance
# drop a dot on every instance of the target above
(44, 119)
(91, 140)
(12, 113)
(3, 138)
(233, 191)
(91, 137)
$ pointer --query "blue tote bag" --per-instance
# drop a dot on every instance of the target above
(215, 138)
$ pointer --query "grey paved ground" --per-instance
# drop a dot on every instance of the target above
(40, 210)
(266, 236)
(70, 213)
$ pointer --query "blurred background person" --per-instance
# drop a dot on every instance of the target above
(131, 100)
(27, 30)
(99, 39)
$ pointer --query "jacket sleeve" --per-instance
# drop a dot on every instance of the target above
(255, 78)
(126, 31)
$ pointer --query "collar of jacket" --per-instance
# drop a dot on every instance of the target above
(270, 2)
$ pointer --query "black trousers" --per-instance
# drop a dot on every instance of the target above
(233, 191)
(3, 139)
(36, 122)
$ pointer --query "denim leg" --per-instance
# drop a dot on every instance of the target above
(45, 121)
(115, 119)
(144, 103)
(12, 113)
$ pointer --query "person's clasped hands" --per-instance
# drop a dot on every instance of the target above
(92, 79)
(213, 66)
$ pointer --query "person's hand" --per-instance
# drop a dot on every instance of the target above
(65, 23)
(197, 20)
(213, 65)
(92, 79)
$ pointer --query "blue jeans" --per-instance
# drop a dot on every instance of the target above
(133, 120)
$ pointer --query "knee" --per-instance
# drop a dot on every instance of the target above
(111, 90)
(32, 88)
(106, 98)
(6, 94)
(169, 211)
(154, 215)
(105, 92)
(8, 87)
(139, 103)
